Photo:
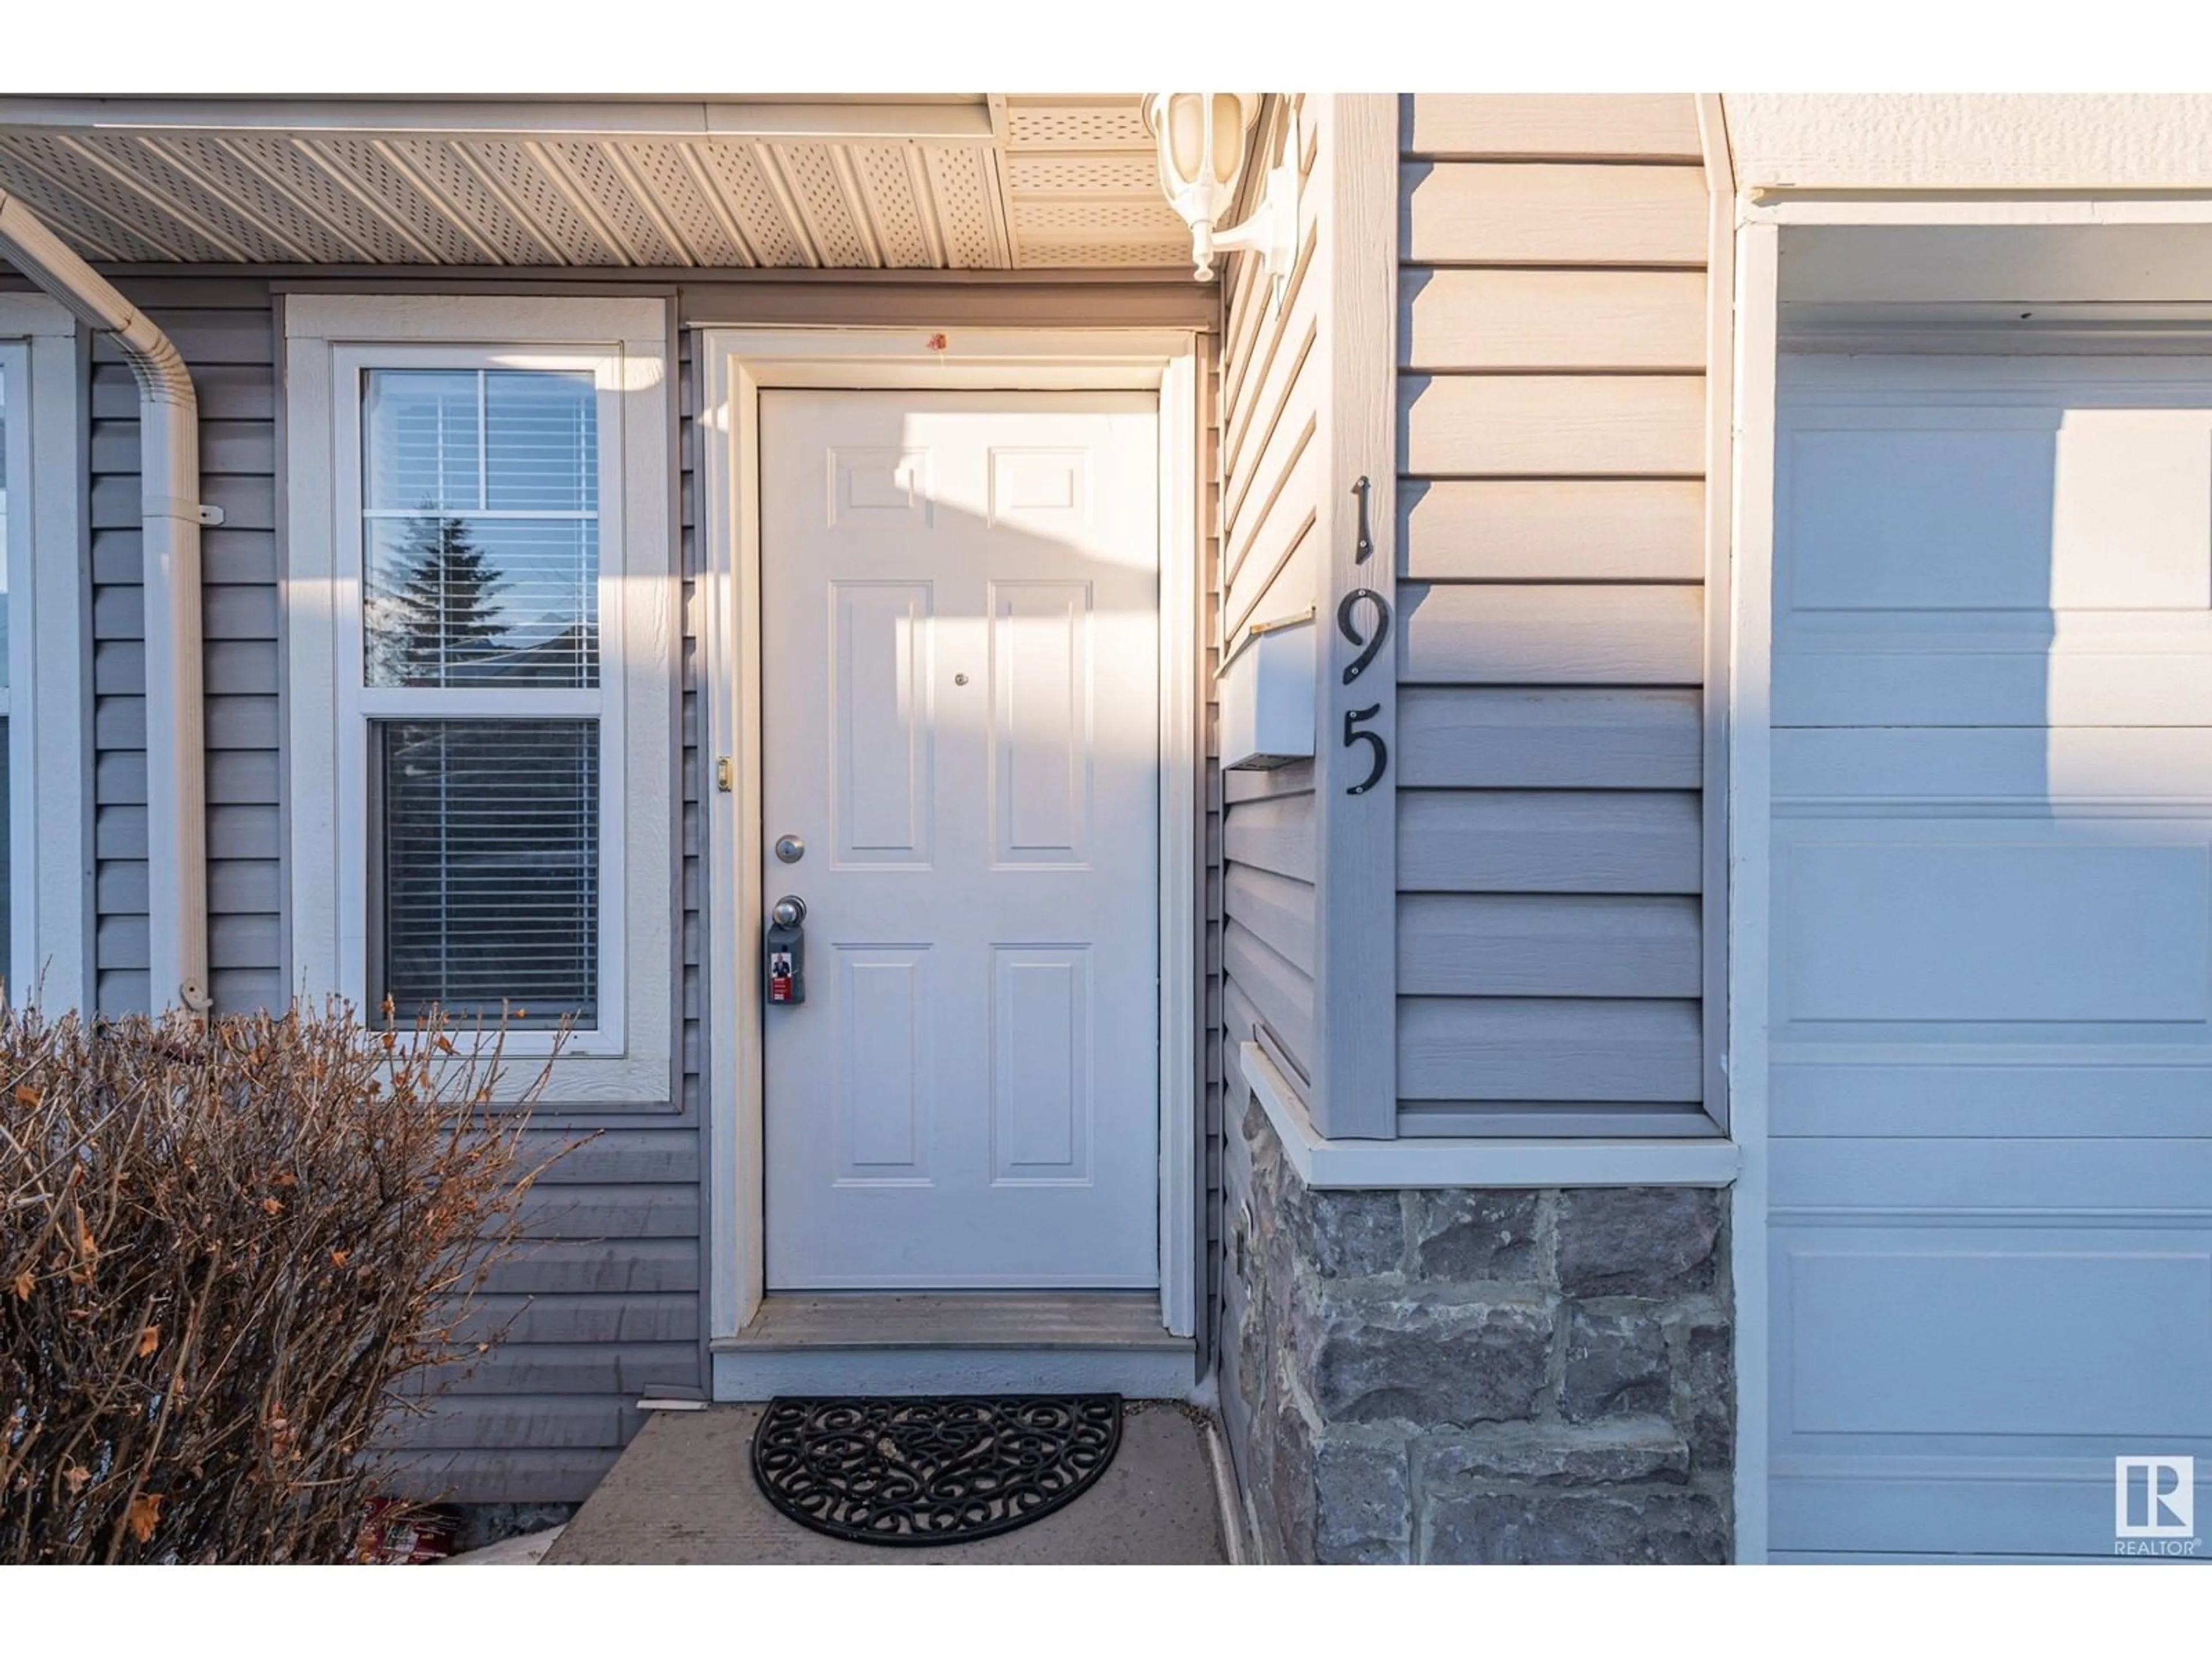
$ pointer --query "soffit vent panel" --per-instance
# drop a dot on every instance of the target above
(960, 179)
(347, 207)
(371, 172)
(468, 199)
(735, 171)
(115, 193)
(894, 210)
(810, 173)
(666, 173)
(1103, 174)
(97, 233)
(514, 171)
(1032, 180)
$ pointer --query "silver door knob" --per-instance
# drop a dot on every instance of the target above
(788, 911)
(790, 849)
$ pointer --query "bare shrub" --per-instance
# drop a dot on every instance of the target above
(230, 1251)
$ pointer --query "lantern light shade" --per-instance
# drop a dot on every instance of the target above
(1201, 137)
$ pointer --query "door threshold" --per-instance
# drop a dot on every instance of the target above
(957, 1319)
(966, 1342)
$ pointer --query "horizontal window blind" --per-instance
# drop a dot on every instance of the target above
(487, 870)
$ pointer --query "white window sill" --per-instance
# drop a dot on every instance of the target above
(1475, 1162)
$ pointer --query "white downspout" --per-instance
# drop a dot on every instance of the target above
(169, 480)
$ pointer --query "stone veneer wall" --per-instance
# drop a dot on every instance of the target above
(1457, 1375)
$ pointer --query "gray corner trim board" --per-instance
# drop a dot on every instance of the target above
(1719, 528)
(1355, 943)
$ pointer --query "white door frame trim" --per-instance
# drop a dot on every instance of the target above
(1760, 216)
(735, 365)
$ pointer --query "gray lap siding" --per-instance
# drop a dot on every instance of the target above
(1552, 431)
(224, 328)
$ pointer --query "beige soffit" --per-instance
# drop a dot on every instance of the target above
(993, 181)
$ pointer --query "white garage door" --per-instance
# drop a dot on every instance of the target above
(1991, 951)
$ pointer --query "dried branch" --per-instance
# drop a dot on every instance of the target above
(231, 1253)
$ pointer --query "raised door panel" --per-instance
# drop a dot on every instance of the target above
(1041, 1063)
(886, 1081)
(1043, 770)
(882, 688)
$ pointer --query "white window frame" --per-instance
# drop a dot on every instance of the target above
(46, 699)
(330, 341)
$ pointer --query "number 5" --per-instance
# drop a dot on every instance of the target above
(1379, 751)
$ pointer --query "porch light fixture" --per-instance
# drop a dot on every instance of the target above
(1201, 137)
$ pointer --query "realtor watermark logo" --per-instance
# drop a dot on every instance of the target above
(2154, 1506)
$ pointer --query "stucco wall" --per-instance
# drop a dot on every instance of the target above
(1969, 141)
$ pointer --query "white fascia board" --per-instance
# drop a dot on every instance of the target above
(859, 121)
(1474, 1161)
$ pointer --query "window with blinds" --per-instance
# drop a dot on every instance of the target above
(480, 667)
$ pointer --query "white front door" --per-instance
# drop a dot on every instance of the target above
(1990, 1024)
(960, 698)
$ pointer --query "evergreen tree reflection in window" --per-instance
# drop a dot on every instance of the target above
(440, 621)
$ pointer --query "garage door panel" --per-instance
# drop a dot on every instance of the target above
(2044, 1101)
(1974, 1331)
(2039, 504)
(2113, 1178)
(2018, 1509)
(2076, 669)
(1954, 505)
(1993, 930)
(2012, 767)
(1965, 1385)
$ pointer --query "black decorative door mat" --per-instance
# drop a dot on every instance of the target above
(935, 1469)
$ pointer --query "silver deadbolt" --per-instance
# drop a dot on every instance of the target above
(790, 849)
(788, 911)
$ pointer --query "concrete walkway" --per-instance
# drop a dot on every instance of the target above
(683, 1494)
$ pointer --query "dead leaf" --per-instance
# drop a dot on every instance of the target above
(24, 1285)
(149, 1339)
(145, 1515)
(25, 1094)
(339, 1258)
(286, 1178)
(272, 1206)
(73, 1476)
